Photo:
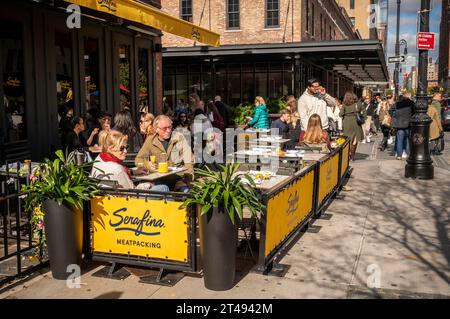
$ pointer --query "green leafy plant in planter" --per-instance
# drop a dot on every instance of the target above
(276, 105)
(225, 189)
(241, 112)
(221, 198)
(55, 197)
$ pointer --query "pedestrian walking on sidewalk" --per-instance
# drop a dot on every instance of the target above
(351, 128)
(386, 124)
(436, 131)
(401, 117)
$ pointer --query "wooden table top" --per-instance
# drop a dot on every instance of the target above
(154, 176)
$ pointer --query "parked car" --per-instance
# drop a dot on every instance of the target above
(445, 116)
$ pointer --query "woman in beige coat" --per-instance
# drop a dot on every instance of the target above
(435, 129)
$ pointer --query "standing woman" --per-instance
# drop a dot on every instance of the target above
(386, 123)
(351, 127)
(261, 118)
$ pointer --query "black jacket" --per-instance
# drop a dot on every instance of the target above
(401, 113)
(283, 128)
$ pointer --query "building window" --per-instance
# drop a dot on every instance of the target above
(272, 13)
(186, 10)
(352, 20)
(233, 14)
(352, 4)
(313, 26)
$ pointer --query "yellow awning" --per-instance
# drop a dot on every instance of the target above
(137, 12)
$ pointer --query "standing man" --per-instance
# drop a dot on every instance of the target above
(315, 100)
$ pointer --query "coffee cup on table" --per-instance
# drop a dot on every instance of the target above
(163, 167)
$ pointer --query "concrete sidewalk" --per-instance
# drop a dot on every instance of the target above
(389, 232)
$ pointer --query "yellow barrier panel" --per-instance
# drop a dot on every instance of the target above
(137, 12)
(287, 210)
(345, 159)
(152, 229)
(328, 177)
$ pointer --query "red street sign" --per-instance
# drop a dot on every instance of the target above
(425, 41)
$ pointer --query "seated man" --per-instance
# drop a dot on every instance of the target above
(282, 124)
(170, 148)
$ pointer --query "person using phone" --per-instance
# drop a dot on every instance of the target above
(315, 100)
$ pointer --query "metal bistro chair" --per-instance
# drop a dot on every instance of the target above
(248, 227)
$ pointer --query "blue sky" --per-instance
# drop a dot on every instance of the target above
(408, 29)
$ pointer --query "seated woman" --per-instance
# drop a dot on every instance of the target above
(315, 135)
(109, 164)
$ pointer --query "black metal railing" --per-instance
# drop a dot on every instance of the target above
(18, 244)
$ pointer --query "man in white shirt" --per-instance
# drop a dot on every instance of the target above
(315, 100)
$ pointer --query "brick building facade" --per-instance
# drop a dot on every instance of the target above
(325, 21)
(243, 67)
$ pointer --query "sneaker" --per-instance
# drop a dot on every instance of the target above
(399, 158)
(363, 142)
(368, 139)
(404, 155)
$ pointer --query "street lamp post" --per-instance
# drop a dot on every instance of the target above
(397, 49)
(419, 163)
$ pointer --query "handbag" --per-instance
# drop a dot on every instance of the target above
(359, 117)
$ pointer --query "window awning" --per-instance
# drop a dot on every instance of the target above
(359, 60)
(140, 13)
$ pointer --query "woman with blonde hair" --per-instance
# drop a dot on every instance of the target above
(109, 163)
(315, 135)
(261, 118)
(146, 125)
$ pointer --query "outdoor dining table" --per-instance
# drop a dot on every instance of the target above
(270, 140)
(156, 175)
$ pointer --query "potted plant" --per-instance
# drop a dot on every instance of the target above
(56, 194)
(221, 198)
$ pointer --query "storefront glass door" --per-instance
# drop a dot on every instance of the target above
(92, 77)
(13, 103)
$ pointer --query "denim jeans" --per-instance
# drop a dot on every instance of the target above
(385, 131)
(160, 188)
(402, 141)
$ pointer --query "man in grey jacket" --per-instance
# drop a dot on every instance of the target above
(315, 100)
